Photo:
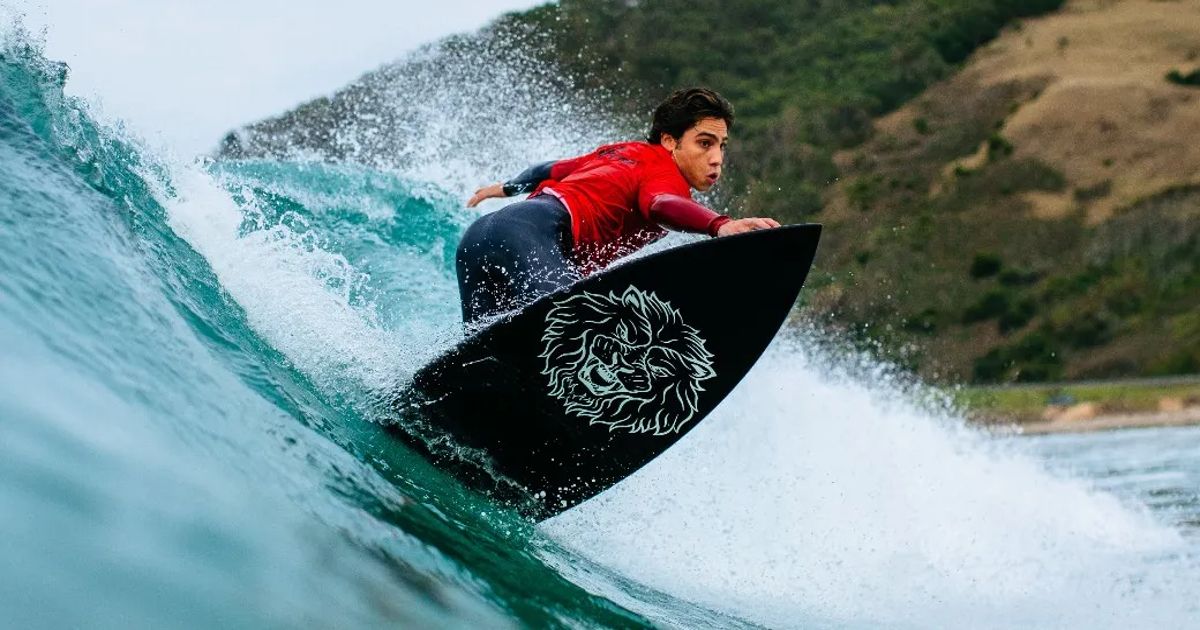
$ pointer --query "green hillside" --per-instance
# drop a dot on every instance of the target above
(806, 77)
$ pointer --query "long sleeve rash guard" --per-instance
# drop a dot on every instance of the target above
(620, 197)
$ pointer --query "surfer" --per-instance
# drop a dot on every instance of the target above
(583, 213)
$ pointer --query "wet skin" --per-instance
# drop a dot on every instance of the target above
(700, 152)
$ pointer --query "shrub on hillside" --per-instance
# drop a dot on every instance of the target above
(1028, 174)
(1033, 358)
(985, 266)
(862, 192)
(1191, 79)
(998, 147)
(1017, 278)
(1017, 315)
(992, 304)
(1086, 331)
(924, 322)
(1089, 193)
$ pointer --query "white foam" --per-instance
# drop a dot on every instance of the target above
(295, 294)
(809, 496)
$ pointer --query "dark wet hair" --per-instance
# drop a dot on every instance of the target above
(684, 108)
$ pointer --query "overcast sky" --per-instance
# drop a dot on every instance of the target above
(183, 72)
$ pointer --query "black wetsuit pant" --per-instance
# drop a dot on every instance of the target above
(514, 255)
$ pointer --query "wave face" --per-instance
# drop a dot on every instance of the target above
(196, 358)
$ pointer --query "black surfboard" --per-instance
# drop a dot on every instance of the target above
(584, 386)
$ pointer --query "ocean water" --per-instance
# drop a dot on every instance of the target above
(196, 358)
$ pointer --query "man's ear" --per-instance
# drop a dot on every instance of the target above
(668, 141)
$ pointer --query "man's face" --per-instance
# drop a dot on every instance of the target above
(700, 152)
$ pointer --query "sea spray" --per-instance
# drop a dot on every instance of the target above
(457, 113)
(813, 495)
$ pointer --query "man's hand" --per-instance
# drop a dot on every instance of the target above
(746, 225)
(487, 192)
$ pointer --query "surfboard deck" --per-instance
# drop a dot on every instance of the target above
(565, 398)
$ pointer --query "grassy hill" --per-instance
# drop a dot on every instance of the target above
(1040, 206)
(1007, 197)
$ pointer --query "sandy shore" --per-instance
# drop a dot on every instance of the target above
(1107, 422)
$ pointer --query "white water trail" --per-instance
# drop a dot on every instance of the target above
(812, 496)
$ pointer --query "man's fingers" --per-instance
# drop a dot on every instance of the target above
(749, 224)
(479, 195)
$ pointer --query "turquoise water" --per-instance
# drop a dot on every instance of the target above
(195, 358)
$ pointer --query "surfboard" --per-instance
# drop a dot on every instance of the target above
(554, 404)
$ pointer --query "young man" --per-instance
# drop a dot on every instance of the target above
(585, 212)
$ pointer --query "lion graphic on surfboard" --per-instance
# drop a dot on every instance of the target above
(626, 361)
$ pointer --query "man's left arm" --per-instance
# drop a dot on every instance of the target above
(685, 215)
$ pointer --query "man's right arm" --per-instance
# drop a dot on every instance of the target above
(529, 179)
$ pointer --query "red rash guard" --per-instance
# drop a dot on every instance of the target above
(619, 197)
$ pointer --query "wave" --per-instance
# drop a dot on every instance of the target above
(164, 461)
